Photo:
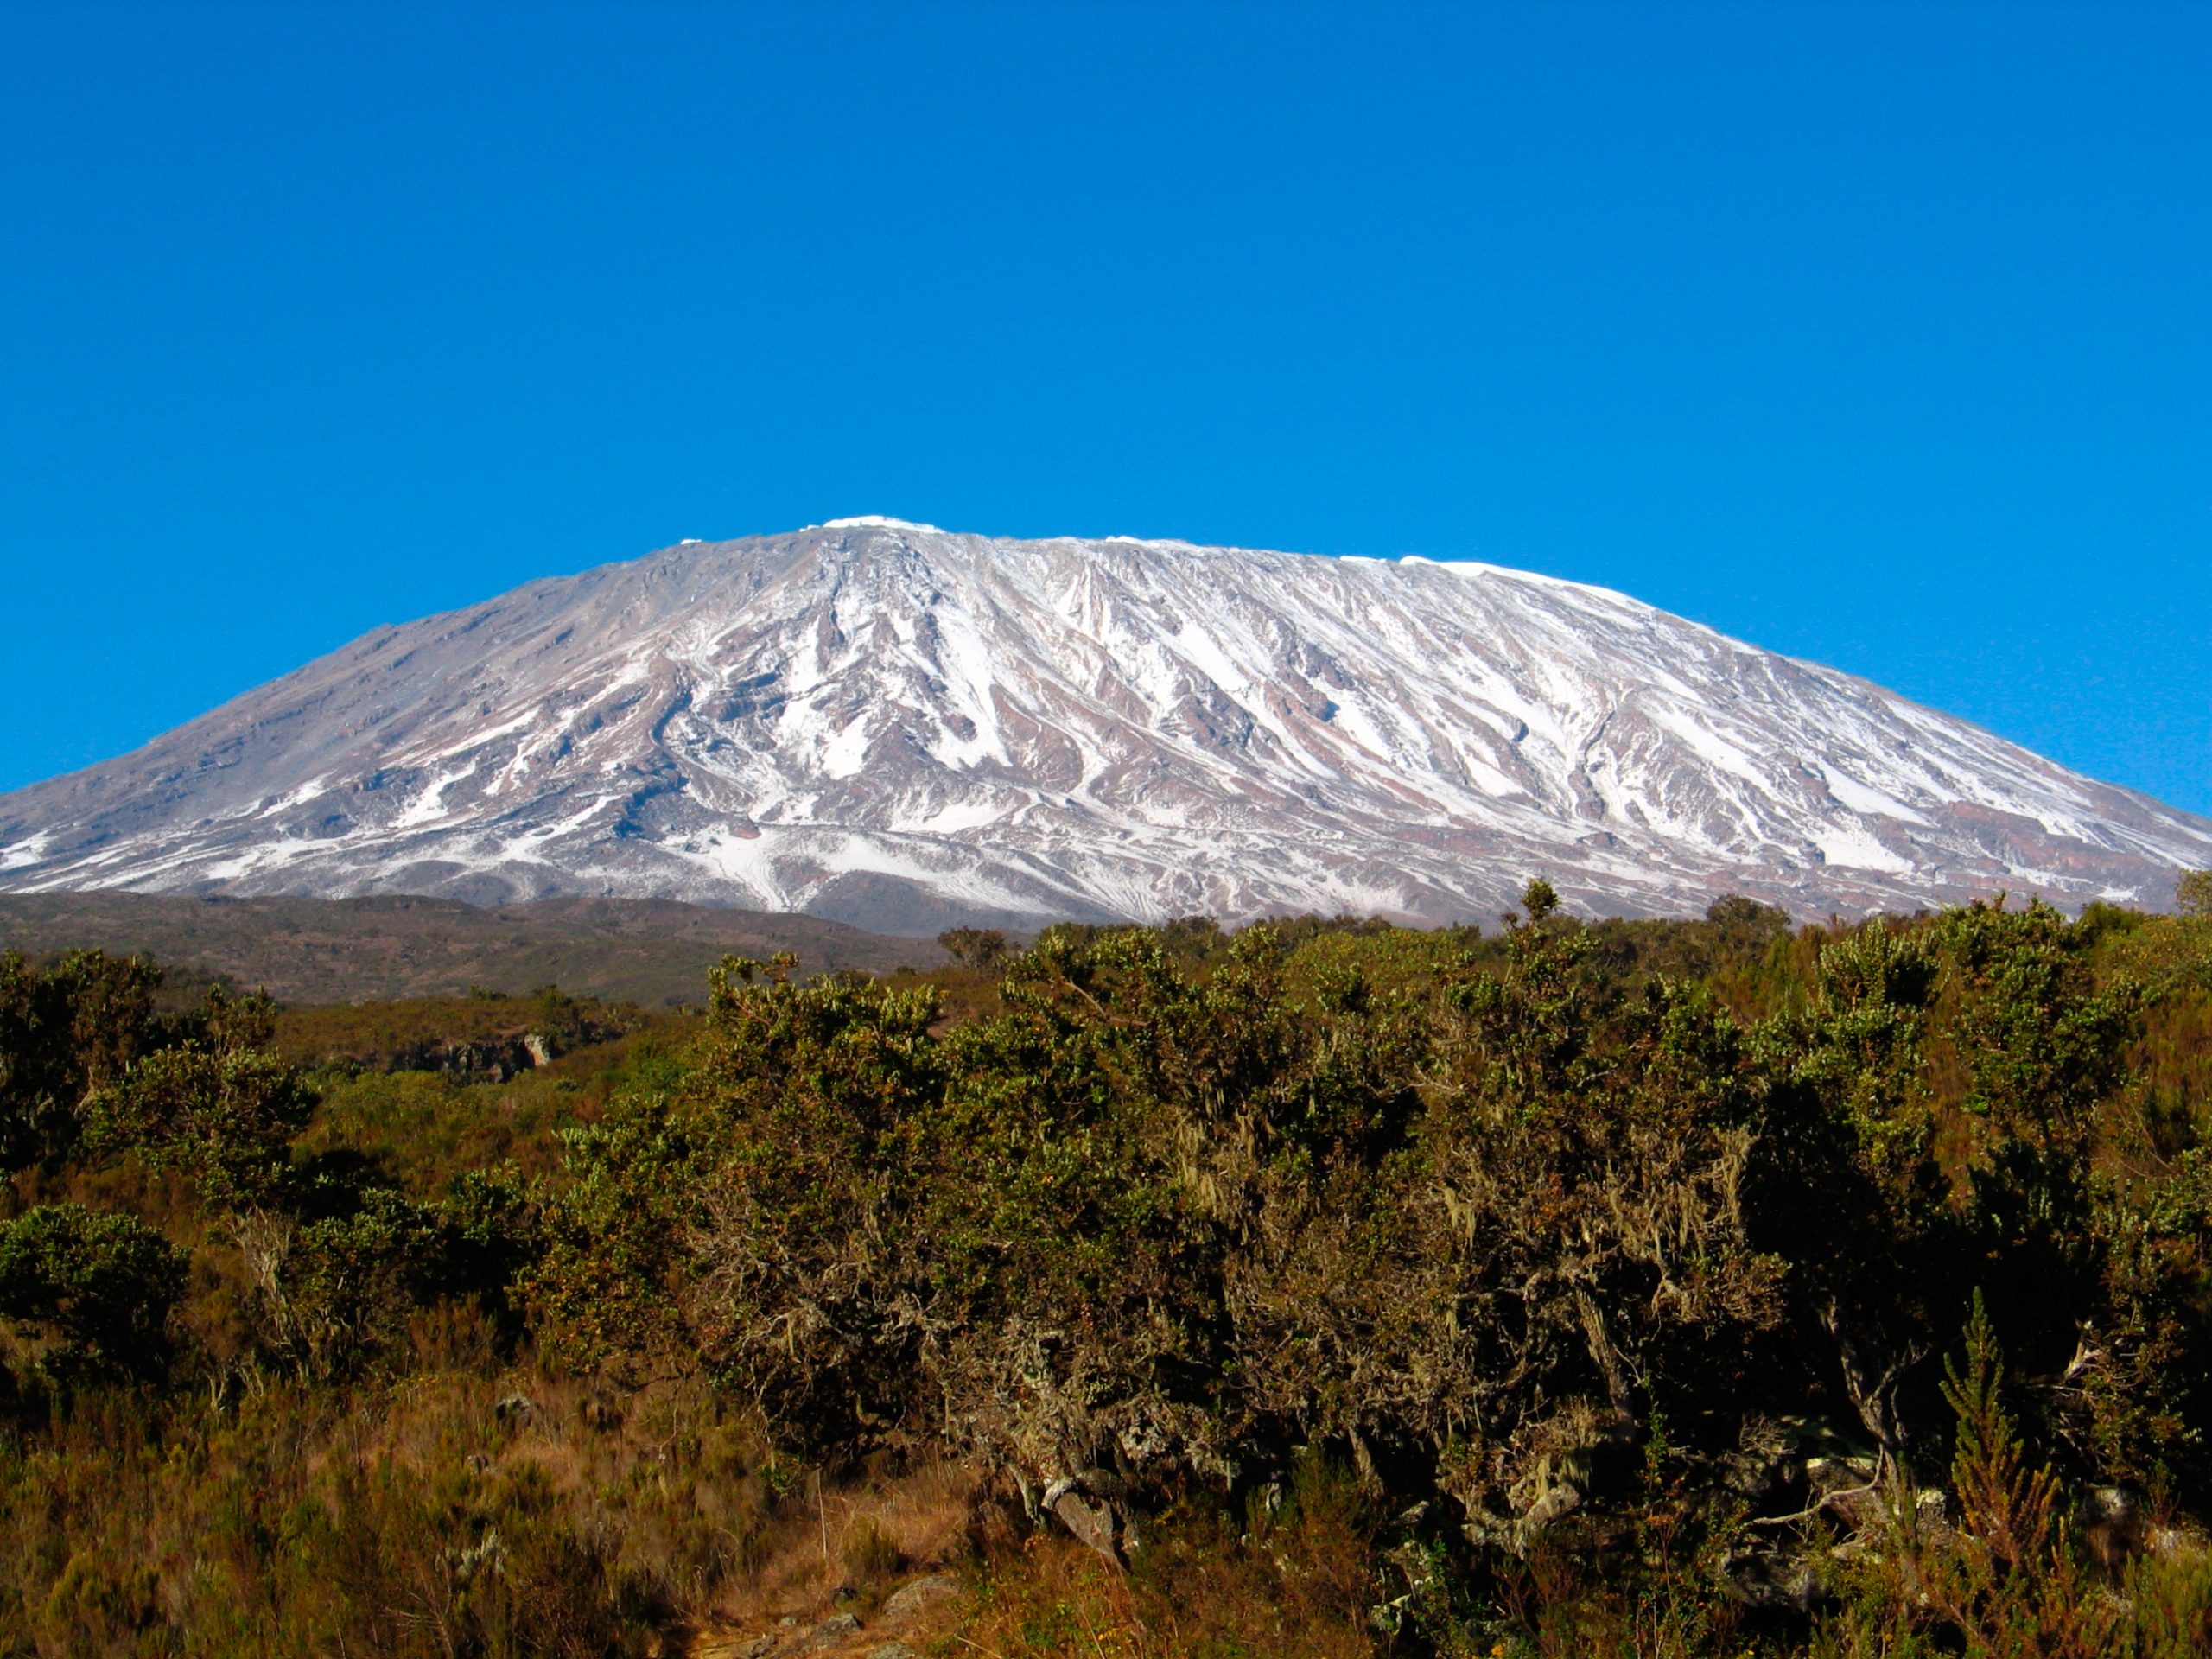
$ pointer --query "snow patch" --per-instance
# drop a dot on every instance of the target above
(300, 797)
(1865, 798)
(475, 740)
(953, 817)
(1711, 746)
(877, 521)
(429, 806)
(1854, 849)
(22, 853)
(843, 752)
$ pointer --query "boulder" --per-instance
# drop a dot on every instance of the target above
(1091, 1521)
(910, 1600)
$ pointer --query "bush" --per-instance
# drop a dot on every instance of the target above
(1571, 1289)
(90, 1293)
(64, 1030)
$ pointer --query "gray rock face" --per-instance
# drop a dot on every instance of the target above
(888, 724)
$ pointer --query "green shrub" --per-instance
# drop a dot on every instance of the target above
(89, 1293)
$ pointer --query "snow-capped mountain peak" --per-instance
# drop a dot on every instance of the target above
(893, 724)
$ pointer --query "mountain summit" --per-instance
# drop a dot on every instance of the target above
(897, 726)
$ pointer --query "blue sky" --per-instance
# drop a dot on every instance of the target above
(1880, 334)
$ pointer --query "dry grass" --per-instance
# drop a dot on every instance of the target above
(1296, 1582)
(1297, 1586)
(824, 1548)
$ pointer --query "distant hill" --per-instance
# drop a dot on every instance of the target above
(313, 951)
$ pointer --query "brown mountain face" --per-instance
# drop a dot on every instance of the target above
(655, 952)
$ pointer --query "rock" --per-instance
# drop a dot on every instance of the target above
(1762, 1469)
(494, 1060)
(1829, 1474)
(1092, 1522)
(835, 1628)
(1107, 1483)
(1775, 1583)
(1554, 1498)
(1593, 1457)
(1846, 1489)
(912, 1599)
(1142, 1443)
(893, 1650)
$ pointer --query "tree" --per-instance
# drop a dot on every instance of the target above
(225, 1116)
(976, 948)
(64, 1030)
(1739, 918)
(2193, 893)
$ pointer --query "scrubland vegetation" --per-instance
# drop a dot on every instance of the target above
(1658, 1288)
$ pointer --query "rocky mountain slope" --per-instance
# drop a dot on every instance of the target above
(897, 727)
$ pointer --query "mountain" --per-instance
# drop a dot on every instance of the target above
(896, 727)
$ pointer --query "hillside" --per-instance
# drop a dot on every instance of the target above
(309, 951)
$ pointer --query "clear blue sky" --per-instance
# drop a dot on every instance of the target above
(1880, 334)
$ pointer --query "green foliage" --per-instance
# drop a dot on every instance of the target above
(2045, 1045)
(974, 948)
(331, 1295)
(227, 1116)
(2193, 893)
(64, 1030)
(1568, 1289)
(490, 1236)
(90, 1294)
(2006, 1504)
